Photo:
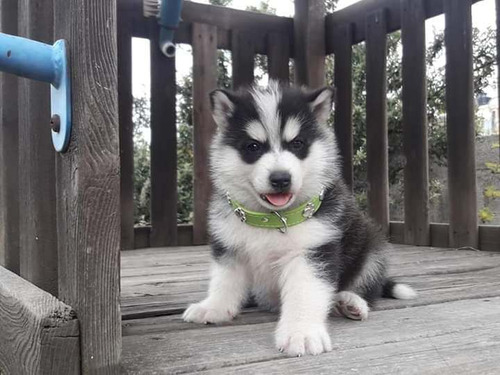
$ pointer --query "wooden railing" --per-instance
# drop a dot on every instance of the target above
(371, 21)
(207, 29)
(307, 39)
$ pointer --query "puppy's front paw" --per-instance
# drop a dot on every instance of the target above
(297, 340)
(206, 312)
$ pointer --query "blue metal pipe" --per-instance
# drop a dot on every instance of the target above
(45, 63)
(170, 14)
(29, 59)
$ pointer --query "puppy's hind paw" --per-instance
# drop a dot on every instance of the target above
(205, 313)
(351, 306)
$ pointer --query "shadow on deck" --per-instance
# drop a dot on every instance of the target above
(453, 327)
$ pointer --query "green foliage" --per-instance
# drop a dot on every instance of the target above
(485, 215)
(491, 192)
(494, 167)
(142, 170)
(185, 149)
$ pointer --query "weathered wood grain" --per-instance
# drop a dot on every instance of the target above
(460, 124)
(278, 57)
(357, 12)
(376, 119)
(343, 104)
(37, 188)
(9, 152)
(125, 104)
(309, 42)
(243, 59)
(415, 148)
(489, 235)
(163, 147)
(204, 81)
(88, 190)
(164, 281)
(423, 335)
(39, 334)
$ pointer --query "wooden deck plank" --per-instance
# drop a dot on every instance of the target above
(440, 337)
(164, 281)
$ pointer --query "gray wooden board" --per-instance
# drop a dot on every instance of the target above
(9, 151)
(456, 337)
(164, 281)
(88, 182)
(37, 189)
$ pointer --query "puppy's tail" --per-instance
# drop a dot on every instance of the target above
(398, 291)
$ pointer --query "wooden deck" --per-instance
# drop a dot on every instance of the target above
(452, 328)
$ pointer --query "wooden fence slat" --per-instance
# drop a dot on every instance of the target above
(204, 81)
(278, 57)
(88, 179)
(460, 124)
(416, 171)
(243, 56)
(163, 147)
(310, 42)
(9, 152)
(125, 105)
(376, 119)
(497, 7)
(37, 189)
(343, 105)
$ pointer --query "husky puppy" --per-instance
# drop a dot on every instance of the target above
(274, 152)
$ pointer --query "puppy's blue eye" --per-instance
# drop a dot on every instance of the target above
(297, 144)
(254, 146)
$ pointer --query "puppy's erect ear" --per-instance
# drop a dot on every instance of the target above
(222, 102)
(321, 103)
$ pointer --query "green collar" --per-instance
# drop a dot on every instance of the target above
(275, 219)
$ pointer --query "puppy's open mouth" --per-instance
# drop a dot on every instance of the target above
(277, 199)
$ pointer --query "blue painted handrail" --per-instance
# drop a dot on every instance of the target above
(45, 63)
(170, 14)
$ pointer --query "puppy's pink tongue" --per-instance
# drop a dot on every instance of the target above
(279, 199)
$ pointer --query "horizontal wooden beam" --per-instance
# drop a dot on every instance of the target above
(142, 236)
(40, 334)
(489, 235)
(356, 15)
(258, 25)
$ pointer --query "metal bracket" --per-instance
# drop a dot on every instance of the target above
(45, 63)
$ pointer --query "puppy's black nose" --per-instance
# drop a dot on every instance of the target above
(280, 180)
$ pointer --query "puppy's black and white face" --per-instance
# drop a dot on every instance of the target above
(273, 148)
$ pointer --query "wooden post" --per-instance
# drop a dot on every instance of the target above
(343, 106)
(376, 119)
(37, 188)
(416, 172)
(88, 183)
(125, 105)
(40, 335)
(9, 152)
(243, 55)
(163, 147)
(460, 124)
(204, 81)
(278, 56)
(309, 43)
